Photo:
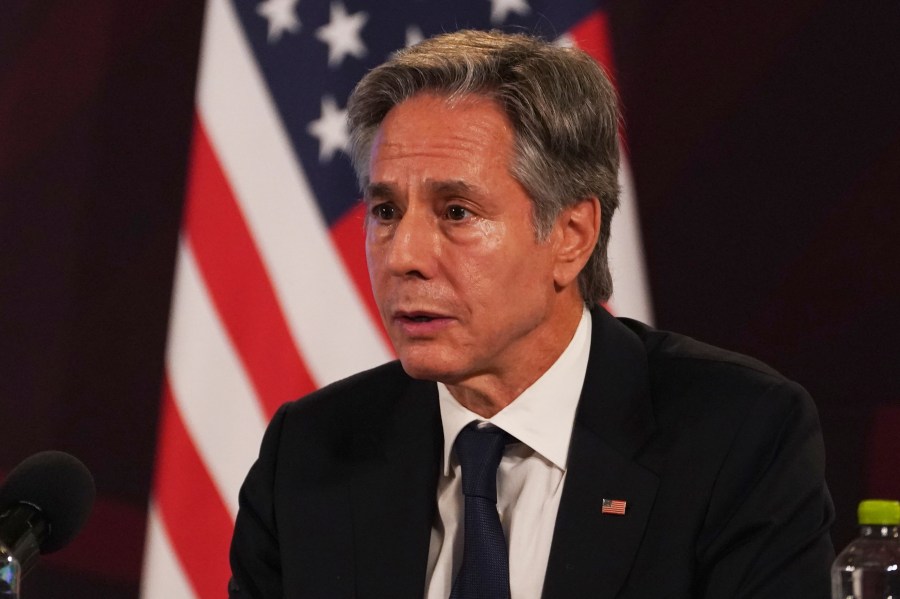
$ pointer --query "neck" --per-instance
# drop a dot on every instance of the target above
(488, 393)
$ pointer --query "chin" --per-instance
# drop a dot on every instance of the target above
(427, 369)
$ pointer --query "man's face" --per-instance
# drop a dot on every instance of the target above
(465, 290)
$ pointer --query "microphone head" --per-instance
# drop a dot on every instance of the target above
(59, 486)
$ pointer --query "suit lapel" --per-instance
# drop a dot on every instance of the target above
(393, 495)
(592, 551)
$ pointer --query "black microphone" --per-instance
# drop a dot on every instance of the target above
(44, 502)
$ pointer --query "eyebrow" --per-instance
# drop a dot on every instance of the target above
(379, 190)
(455, 186)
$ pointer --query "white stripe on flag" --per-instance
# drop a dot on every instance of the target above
(631, 291)
(209, 386)
(321, 304)
(163, 577)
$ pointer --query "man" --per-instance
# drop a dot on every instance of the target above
(632, 462)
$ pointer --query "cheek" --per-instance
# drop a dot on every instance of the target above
(371, 262)
(504, 250)
(374, 247)
(491, 234)
(374, 261)
(478, 257)
(486, 270)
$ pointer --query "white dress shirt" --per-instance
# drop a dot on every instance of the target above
(530, 478)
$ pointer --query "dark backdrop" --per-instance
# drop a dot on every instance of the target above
(765, 143)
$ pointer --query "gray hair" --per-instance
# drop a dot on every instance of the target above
(562, 106)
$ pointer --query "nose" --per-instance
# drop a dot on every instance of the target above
(414, 247)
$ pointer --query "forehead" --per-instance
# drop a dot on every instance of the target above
(471, 128)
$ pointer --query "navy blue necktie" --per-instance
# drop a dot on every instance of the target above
(485, 569)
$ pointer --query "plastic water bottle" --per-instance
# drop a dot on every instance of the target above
(868, 567)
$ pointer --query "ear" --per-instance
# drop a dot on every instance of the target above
(579, 229)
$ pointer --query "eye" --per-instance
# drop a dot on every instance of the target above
(383, 212)
(457, 213)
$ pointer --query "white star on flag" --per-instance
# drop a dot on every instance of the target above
(330, 129)
(413, 35)
(281, 17)
(500, 9)
(342, 34)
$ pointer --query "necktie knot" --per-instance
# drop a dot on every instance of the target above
(479, 451)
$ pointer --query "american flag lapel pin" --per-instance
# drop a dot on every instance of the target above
(613, 506)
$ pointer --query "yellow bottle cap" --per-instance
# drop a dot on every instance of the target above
(879, 511)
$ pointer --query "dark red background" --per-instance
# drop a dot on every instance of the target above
(765, 143)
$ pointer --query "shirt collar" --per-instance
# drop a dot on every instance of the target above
(542, 416)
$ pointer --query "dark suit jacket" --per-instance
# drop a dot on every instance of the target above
(719, 459)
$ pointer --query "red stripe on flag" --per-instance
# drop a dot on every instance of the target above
(613, 506)
(349, 237)
(238, 282)
(194, 516)
(591, 34)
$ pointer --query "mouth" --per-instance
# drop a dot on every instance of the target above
(418, 316)
(420, 323)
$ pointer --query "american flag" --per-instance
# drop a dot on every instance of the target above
(613, 506)
(271, 293)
